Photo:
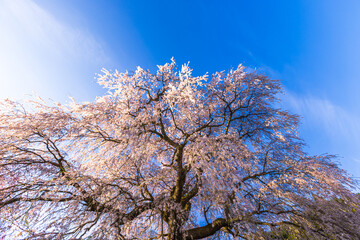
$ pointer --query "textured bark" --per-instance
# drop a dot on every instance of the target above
(162, 152)
(206, 231)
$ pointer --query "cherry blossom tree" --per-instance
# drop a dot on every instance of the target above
(334, 219)
(163, 155)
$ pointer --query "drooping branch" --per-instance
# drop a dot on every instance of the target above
(207, 230)
(147, 158)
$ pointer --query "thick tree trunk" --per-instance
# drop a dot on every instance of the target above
(205, 231)
(175, 228)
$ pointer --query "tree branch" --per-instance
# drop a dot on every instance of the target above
(207, 230)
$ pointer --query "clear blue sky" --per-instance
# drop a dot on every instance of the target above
(54, 48)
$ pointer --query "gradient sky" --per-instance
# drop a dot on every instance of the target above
(55, 47)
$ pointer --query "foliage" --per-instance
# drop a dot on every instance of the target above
(331, 219)
(164, 155)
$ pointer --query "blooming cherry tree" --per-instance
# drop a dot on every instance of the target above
(163, 155)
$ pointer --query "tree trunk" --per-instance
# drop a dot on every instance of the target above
(175, 229)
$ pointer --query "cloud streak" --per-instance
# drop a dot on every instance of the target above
(41, 53)
(328, 127)
(44, 29)
(322, 112)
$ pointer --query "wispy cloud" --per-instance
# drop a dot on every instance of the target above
(40, 52)
(332, 118)
(329, 127)
(43, 28)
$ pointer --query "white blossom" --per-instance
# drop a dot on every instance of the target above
(167, 155)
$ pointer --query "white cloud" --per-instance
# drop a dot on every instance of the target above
(323, 113)
(41, 27)
(328, 128)
(40, 53)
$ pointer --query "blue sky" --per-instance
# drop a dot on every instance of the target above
(54, 48)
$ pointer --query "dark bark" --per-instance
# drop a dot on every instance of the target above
(206, 231)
